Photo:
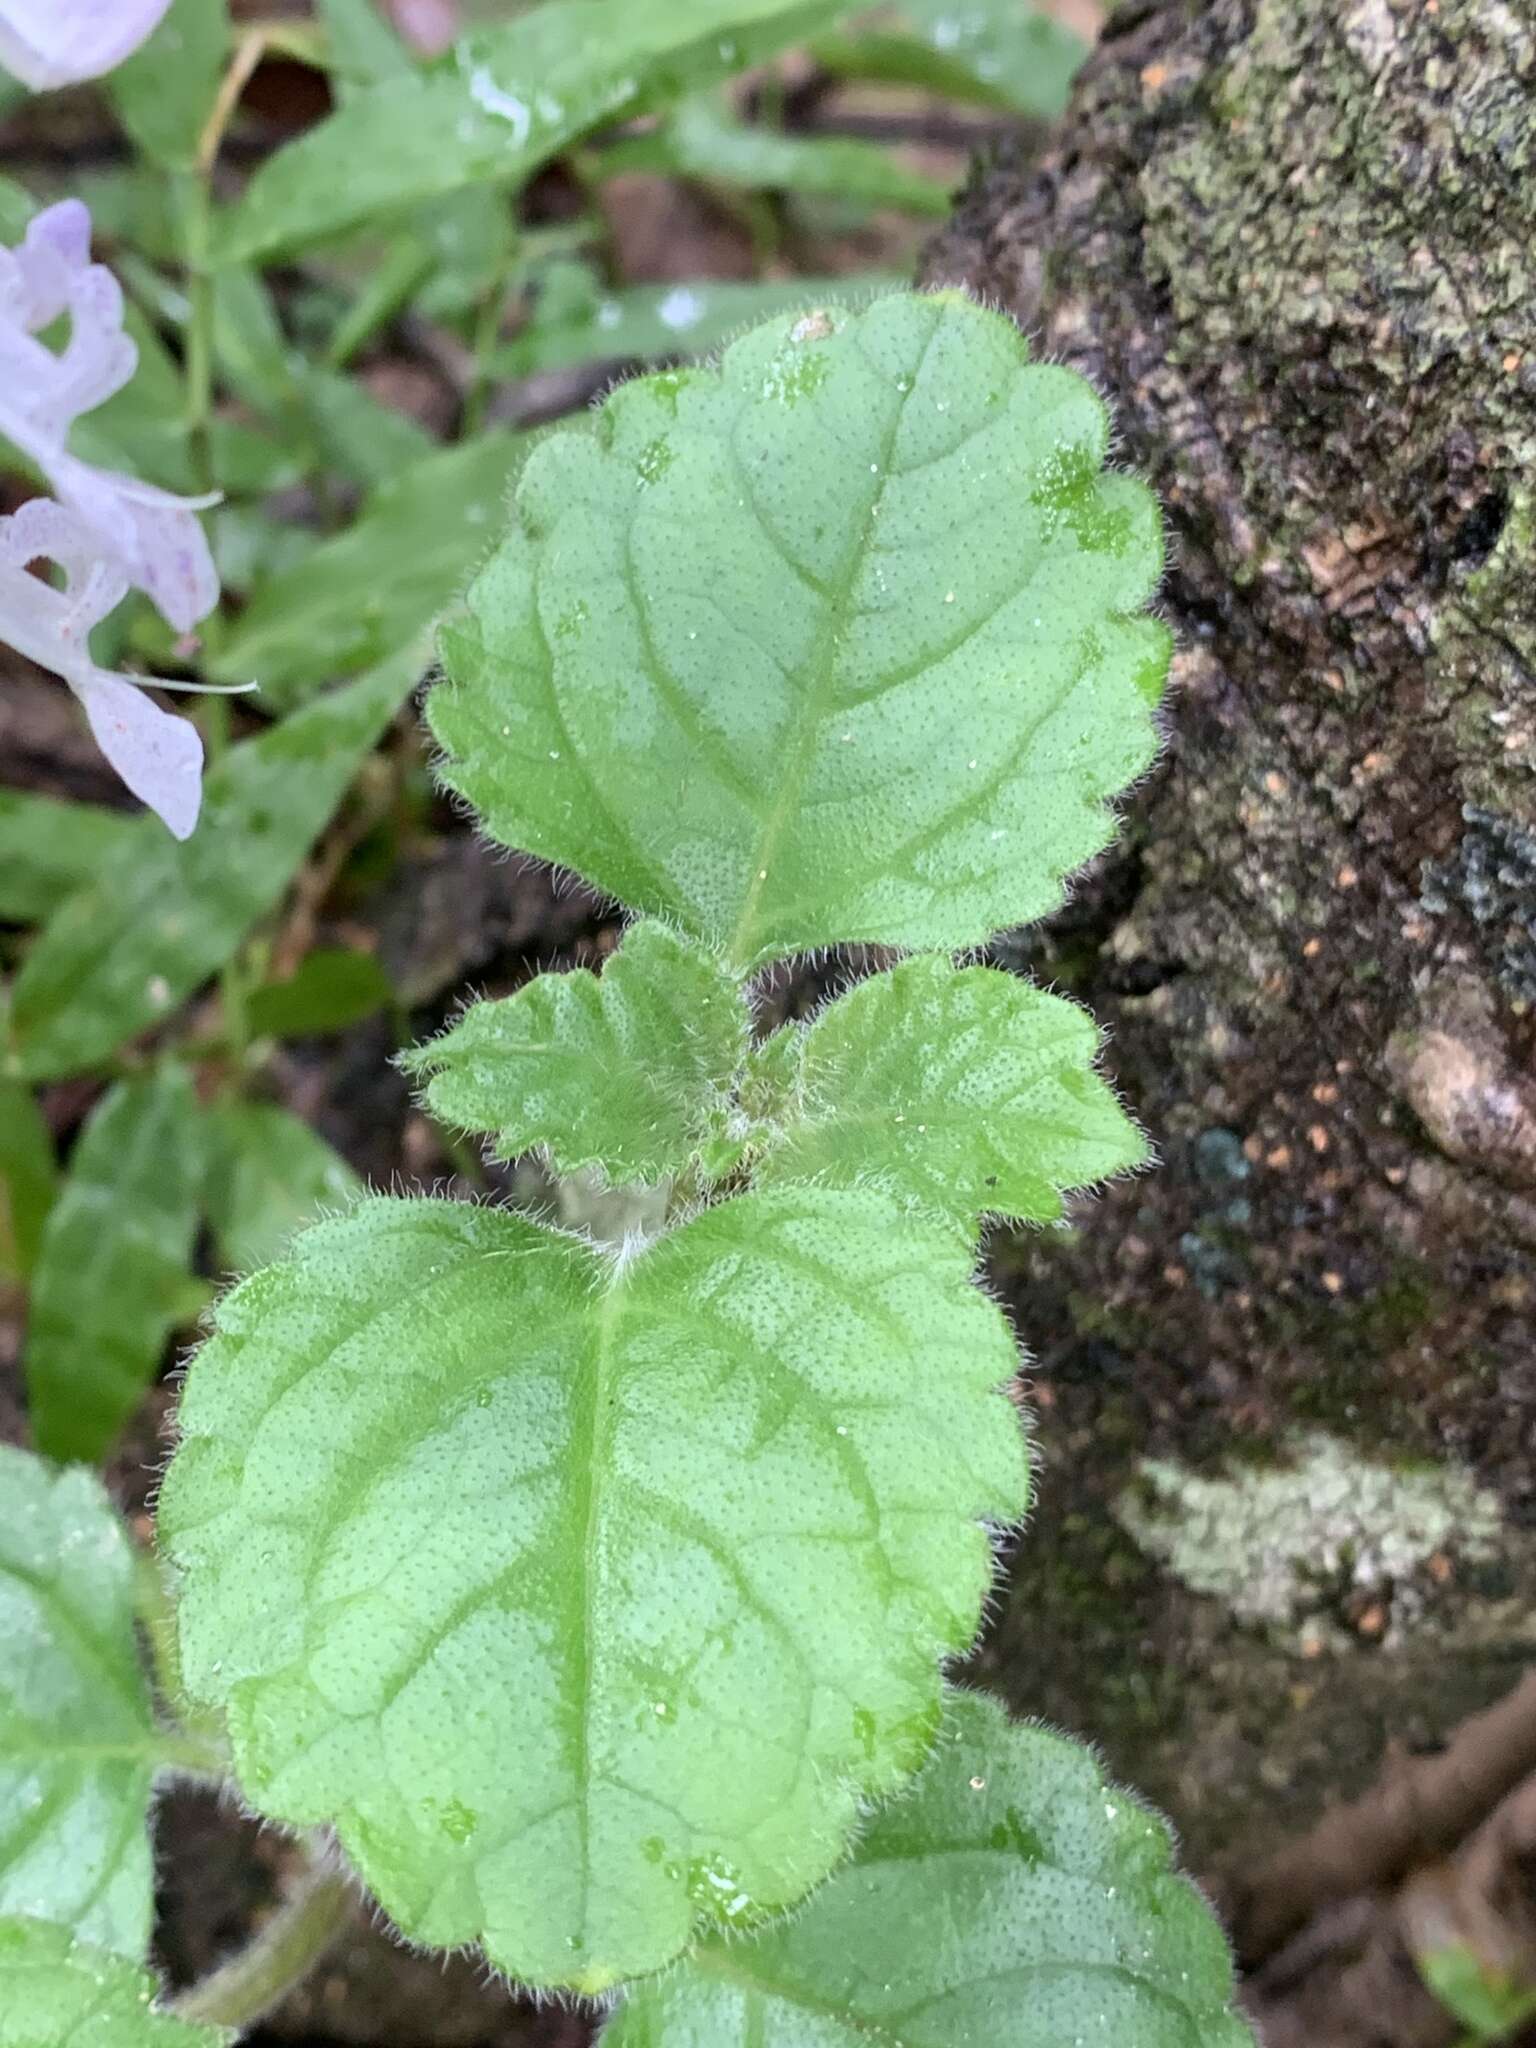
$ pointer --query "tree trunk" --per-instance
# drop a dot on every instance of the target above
(1292, 242)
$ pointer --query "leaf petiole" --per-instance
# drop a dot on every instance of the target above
(278, 1956)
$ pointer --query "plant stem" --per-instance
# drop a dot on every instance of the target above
(282, 1952)
(196, 231)
(196, 1743)
(194, 1755)
(157, 1617)
(483, 348)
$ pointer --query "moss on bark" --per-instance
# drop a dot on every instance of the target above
(1294, 241)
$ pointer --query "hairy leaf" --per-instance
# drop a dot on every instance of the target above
(111, 1277)
(78, 1744)
(142, 934)
(270, 1174)
(503, 102)
(1015, 1900)
(590, 1597)
(360, 596)
(838, 642)
(966, 1088)
(58, 1993)
(628, 1074)
(48, 847)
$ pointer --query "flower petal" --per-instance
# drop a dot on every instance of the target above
(158, 755)
(42, 531)
(49, 43)
(154, 534)
(54, 251)
(43, 390)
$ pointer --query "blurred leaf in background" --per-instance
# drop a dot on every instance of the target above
(112, 1269)
(122, 951)
(270, 1173)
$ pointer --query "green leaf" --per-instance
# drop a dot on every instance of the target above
(1015, 1900)
(110, 1282)
(327, 420)
(48, 848)
(1485, 1999)
(629, 1074)
(141, 429)
(248, 547)
(249, 464)
(164, 93)
(505, 101)
(28, 1180)
(401, 271)
(668, 320)
(703, 141)
(334, 986)
(839, 642)
(54, 1991)
(475, 247)
(1021, 55)
(373, 444)
(362, 595)
(134, 206)
(249, 343)
(136, 940)
(964, 1088)
(17, 207)
(681, 1531)
(1000, 53)
(363, 49)
(78, 1743)
(271, 1174)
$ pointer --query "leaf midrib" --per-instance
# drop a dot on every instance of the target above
(116, 1670)
(741, 952)
(594, 1430)
(714, 1962)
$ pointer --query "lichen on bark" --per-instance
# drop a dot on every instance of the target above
(1292, 241)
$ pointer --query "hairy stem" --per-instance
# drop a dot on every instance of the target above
(195, 1744)
(283, 1952)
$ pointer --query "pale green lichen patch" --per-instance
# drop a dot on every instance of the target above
(1280, 1545)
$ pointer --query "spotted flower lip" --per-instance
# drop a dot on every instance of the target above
(152, 533)
(47, 43)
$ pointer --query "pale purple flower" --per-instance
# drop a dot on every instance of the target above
(60, 42)
(161, 547)
(151, 533)
(106, 532)
(158, 755)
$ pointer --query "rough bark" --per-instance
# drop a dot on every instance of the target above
(1291, 241)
